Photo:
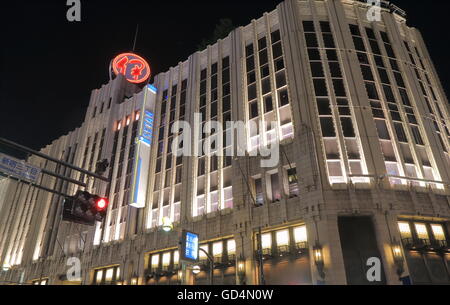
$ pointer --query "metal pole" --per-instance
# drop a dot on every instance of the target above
(260, 259)
(44, 156)
(211, 266)
(44, 171)
(35, 185)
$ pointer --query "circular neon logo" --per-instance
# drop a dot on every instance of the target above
(135, 69)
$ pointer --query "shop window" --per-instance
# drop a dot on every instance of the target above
(438, 232)
(266, 243)
(217, 249)
(405, 230)
(300, 237)
(282, 242)
(155, 262)
(421, 230)
(231, 249)
(166, 261)
(176, 259)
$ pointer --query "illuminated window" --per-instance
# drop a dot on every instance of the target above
(119, 125)
(228, 197)
(109, 275)
(118, 273)
(283, 238)
(155, 260)
(214, 201)
(231, 246)
(438, 232)
(166, 259)
(300, 234)
(405, 230)
(202, 254)
(421, 230)
(200, 205)
(138, 115)
(176, 257)
(266, 241)
(128, 120)
(99, 276)
(217, 249)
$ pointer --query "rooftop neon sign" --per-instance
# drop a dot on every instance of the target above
(135, 69)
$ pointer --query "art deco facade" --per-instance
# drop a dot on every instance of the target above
(363, 125)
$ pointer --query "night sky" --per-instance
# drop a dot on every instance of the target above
(49, 66)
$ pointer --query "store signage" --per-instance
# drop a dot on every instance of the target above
(189, 246)
(135, 69)
(142, 158)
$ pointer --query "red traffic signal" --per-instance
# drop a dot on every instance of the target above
(101, 204)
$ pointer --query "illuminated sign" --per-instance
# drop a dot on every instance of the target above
(147, 130)
(135, 69)
(141, 166)
(189, 246)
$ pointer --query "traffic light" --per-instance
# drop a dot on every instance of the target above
(101, 167)
(84, 208)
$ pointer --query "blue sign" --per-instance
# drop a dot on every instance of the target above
(189, 246)
(19, 169)
(147, 128)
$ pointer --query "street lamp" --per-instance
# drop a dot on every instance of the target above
(398, 258)
(196, 269)
(167, 224)
(241, 269)
(318, 259)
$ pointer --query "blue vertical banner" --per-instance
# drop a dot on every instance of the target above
(141, 166)
(189, 247)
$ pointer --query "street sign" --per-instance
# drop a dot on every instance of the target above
(189, 247)
(19, 169)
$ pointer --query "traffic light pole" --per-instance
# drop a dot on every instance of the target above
(35, 185)
(44, 156)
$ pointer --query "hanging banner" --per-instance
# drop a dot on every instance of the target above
(141, 167)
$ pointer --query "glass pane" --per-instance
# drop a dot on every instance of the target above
(283, 238)
(300, 234)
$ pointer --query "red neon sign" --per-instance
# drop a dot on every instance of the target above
(135, 69)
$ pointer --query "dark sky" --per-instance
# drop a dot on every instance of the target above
(49, 65)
